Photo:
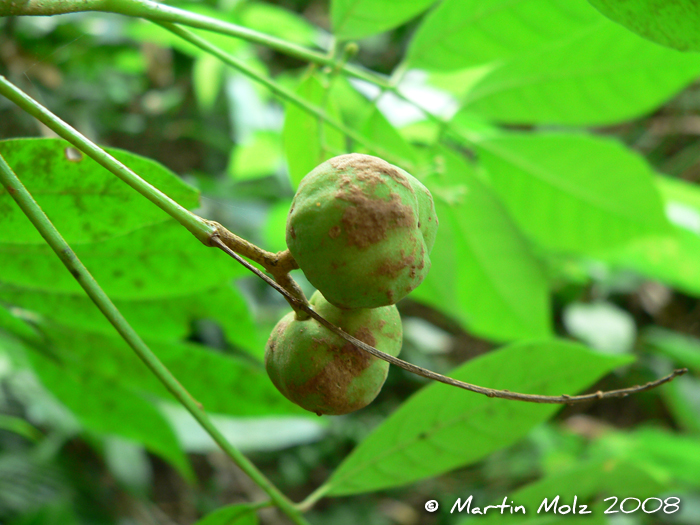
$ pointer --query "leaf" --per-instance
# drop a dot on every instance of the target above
(106, 407)
(16, 326)
(683, 349)
(499, 291)
(308, 142)
(259, 156)
(372, 124)
(275, 229)
(442, 427)
(671, 456)
(142, 30)
(604, 76)
(674, 24)
(464, 33)
(381, 134)
(583, 481)
(207, 77)
(670, 258)
(156, 261)
(282, 23)
(223, 384)
(84, 201)
(682, 400)
(352, 19)
(241, 514)
(573, 192)
(165, 319)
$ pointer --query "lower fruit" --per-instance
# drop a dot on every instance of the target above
(322, 372)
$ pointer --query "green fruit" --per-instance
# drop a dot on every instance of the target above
(320, 371)
(362, 230)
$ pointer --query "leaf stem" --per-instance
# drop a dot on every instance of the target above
(51, 235)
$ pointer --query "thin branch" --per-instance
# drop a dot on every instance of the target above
(429, 374)
(48, 231)
(284, 93)
(158, 12)
(278, 264)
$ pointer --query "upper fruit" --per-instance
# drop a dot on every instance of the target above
(362, 230)
(319, 370)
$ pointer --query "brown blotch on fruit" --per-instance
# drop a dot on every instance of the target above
(367, 221)
(371, 234)
(334, 232)
(366, 166)
(324, 373)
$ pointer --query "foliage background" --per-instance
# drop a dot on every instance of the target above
(566, 189)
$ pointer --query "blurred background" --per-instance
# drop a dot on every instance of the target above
(127, 84)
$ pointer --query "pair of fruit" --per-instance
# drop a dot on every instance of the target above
(361, 230)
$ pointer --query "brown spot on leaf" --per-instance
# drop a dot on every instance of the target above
(334, 232)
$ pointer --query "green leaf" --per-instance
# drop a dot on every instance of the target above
(603, 76)
(681, 399)
(207, 77)
(361, 18)
(153, 262)
(142, 30)
(352, 105)
(21, 427)
(259, 156)
(672, 456)
(83, 200)
(275, 230)
(683, 349)
(442, 427)
(380, 133)
(308, 142)
(16, 326)
(573, 192)
(241, 514)
(277, 21)
(165, 319)
(584, 481)
(464, 33)
(105, 407)
(681, 196)
(674, 24)
(499, 291)
(223, 384)
(670, 258)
